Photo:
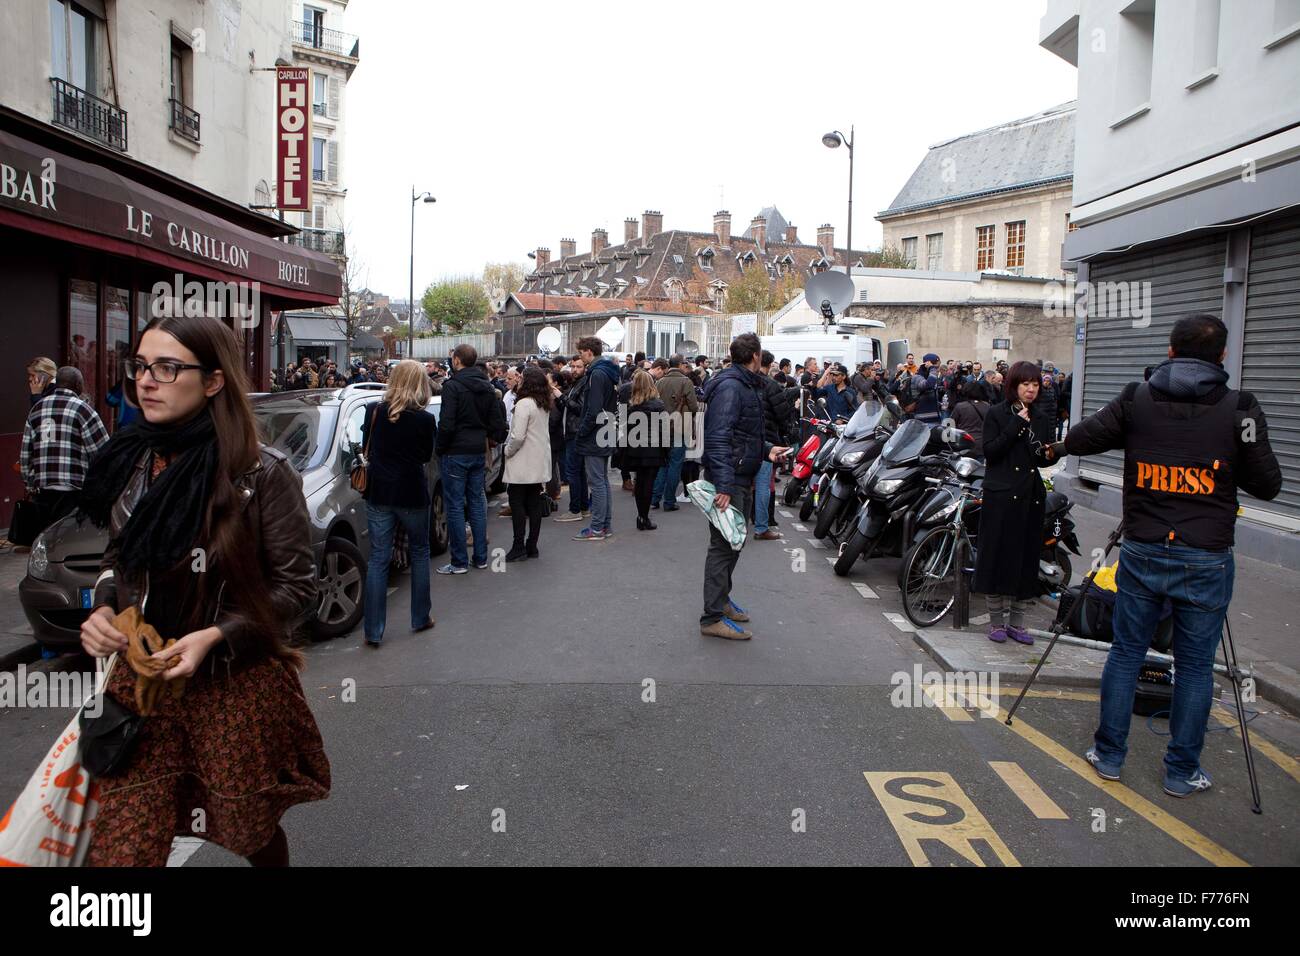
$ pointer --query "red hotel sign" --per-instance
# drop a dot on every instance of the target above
(293, 137)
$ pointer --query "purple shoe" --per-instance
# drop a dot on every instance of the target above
(1019, 634)
(998, 634)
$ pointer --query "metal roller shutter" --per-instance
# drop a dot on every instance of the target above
(1185, 277)
(1270, 365)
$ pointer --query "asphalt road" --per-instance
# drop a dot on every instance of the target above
(566, 710)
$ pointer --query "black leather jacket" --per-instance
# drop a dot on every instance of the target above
(276, 515)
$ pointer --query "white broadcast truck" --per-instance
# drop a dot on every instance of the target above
(840, 341)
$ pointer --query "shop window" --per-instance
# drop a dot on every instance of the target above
(117, 346)
(83, 331)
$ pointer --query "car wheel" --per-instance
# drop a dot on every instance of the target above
(437, 523)
(341, 581)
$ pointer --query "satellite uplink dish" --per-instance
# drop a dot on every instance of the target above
(829, 293)
(548, 340)
(689, 348)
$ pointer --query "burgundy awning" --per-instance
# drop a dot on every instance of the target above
(53, 194)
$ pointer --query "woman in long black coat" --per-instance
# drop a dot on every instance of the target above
(1011, 522)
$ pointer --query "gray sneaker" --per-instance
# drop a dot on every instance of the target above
(452, 569)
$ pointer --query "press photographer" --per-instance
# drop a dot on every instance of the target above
(1189, 443)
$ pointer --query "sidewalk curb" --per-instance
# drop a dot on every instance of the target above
(1063, 680)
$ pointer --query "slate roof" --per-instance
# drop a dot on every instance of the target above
(674, 260)
(776, 223)
(1033, 151)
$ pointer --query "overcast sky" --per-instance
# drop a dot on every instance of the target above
(535, 121)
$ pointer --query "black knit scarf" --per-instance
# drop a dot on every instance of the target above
(167, 520)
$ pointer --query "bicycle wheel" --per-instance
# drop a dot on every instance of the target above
(929, 578)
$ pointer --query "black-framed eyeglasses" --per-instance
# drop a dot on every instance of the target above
(163, 372)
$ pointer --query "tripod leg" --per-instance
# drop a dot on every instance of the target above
(1060, 626)
(1230, 659)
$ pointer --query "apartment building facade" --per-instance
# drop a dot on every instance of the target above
(135, 141)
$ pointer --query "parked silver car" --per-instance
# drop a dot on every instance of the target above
(320, 432)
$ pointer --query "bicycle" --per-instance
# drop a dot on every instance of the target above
(936, 572)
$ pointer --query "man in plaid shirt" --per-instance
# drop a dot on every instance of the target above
(62, 434)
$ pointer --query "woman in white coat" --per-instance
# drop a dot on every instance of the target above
(528, 461)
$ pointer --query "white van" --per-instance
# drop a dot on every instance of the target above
(837, 343)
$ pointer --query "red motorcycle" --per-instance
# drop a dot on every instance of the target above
(803, 463)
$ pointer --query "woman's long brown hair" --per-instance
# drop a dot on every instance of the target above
(232, 550)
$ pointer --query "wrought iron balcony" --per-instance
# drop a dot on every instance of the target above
(319, 240)
(310, 34)
(86, 113)
(185, 121)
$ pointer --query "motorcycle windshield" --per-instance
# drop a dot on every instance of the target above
(863, 422)
(906, 443)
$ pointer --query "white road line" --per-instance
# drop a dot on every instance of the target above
(980, 619)
(799, 527)
(784, 514)
(830, 560)
(900, 622)
(819, 545)
(865, 591)
(182, 849)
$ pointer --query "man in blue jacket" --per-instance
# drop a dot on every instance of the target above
(602, 397)
(734, 448)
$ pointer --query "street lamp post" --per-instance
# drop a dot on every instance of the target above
(832, 140)
(410, 324)
(533, 256)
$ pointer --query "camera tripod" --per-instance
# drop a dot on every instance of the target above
(1229, 658)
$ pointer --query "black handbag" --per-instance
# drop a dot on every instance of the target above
(27, 522)
(108, 740)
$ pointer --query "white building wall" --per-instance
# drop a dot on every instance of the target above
(1222, 73)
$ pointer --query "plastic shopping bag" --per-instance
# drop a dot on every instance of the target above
(51, 822)
(730, 522)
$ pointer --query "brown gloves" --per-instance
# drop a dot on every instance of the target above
(151, 674)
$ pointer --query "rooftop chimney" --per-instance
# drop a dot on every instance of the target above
(792, 234)
(722, 228)
(568, 248)
(629, 229)
(599, 240)
(758, 226)
(653, 224)
(826, 240)
(543, 257)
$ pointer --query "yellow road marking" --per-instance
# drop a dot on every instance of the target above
(958, 824)
(1199, 844)
(947, 704)
(1030, 794)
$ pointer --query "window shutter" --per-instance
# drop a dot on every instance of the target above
(318, 217)
(333, 173)
(333, 98)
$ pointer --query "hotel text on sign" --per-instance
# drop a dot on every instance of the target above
(293, 137)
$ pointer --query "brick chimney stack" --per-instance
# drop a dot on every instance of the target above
(543, 257)
(629, 229)
(599, 241)
(652, 224)
(758, 226)
(568, 248)
(792, 234)
(722, 228)
(826, 240)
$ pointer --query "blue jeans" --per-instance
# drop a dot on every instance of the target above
(598, 481)
(762, 496)
(1199, 585)
(462, 485)
(665, 488)
(575, 473)
(383, 523)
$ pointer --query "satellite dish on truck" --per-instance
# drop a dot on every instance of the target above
(689, 348)
(829, 293)
(548, 340)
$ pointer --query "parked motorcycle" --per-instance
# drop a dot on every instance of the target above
(864, 436)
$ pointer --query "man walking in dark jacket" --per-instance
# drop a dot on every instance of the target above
(471, 414)
(1189, 443)
(734, 448)
(597, 441)
(677, 392)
